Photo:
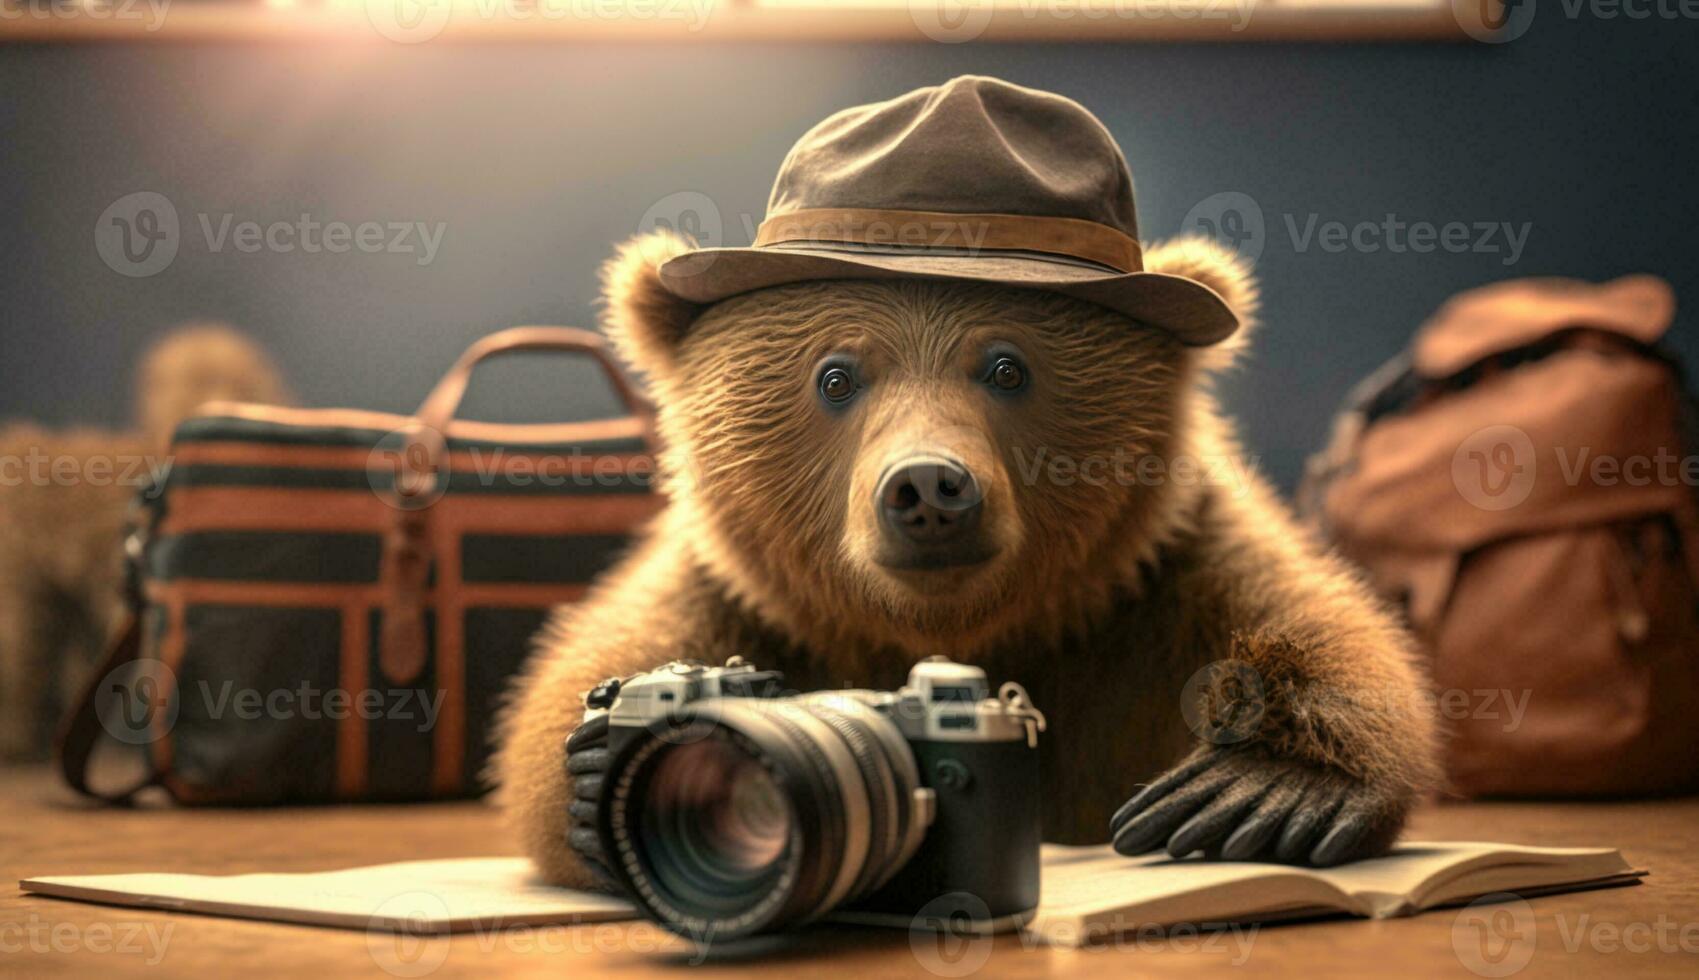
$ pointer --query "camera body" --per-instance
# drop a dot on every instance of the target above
(903, 807)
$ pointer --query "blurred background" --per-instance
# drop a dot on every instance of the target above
(514, 160)
(364, 187)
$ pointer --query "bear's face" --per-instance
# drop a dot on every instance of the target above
(920, 464)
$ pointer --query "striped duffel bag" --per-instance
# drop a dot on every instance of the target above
(331, 602)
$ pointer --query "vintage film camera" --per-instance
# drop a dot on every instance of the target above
(729, 810)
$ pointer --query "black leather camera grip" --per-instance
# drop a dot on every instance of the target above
(586, 764)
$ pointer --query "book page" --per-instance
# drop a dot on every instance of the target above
(427, 897)
(1093, 893)
(1421, 874)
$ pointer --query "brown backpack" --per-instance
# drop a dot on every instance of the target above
(1521, 483)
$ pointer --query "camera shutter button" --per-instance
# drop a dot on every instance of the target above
(603, 695)
(951, 774)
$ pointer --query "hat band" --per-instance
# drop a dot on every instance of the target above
(1072, 237)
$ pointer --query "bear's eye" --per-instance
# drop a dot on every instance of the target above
(836, 385)
(1007, 374)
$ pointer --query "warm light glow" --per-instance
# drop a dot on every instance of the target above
(952, 21)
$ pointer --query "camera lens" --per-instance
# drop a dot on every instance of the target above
(742, 815)
(714, 823)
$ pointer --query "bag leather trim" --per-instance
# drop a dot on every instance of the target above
(262, 508)
(624, 427)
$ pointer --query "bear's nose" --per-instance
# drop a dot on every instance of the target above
(929, 501)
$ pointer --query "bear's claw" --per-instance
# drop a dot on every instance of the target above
(1243, 805)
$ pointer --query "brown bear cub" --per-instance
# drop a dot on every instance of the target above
(1118, 546)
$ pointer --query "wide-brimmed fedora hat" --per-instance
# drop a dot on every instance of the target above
(975, 179)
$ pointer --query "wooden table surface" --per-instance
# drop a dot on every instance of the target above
(1647, 930)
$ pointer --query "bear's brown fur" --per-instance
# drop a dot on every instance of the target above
(1111, 587)
(64, 496)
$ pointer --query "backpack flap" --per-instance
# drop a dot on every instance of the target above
(1503, 317)
(1572, 439)
(1568, 441)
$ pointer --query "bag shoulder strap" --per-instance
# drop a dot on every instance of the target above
(82, 729)
(1390, 385)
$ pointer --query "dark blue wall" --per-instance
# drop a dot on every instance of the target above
(537, 158)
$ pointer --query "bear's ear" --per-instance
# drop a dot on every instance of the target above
(644, 321)
(1221, 269)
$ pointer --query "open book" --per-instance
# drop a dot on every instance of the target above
(1090, 893)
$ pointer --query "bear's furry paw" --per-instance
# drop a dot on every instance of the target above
(586, 766)
(1245, 805)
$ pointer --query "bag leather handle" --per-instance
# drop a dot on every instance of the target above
(440, 405)
(81, 730)
(428, 433)
(407, 562)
